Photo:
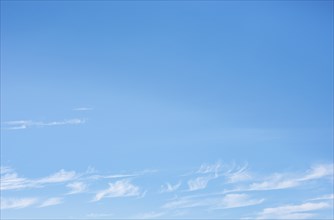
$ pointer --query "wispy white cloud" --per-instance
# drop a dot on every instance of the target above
(210, 168)
(5, 169)
(276, 181)
(199, 183)
(236, 200)
(237, 174)
(239, 178)
(204, 173)
(111, 176)
(213, 202)
(76, 187)
(185, 202)
(319, 171)
(301, 211)
(83, 109)
(289, 180)
(51, 202)
(207, 172)
(17, 203)
(170, 188)
(76, 182)
(10, 180)
(60, 176)
(23, 124)
(324, 197)
(122, 175)
(121, 188)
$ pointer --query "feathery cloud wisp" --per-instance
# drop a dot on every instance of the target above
(10, 180)
(199, 183)
(285, 181)
(210, 168)
(237, 174)
(60, 176)
(206, 173)
(121, 188)
(170, 188)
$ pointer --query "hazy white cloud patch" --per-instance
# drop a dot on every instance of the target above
(51, 202)
(5, 169)
(170, 188)
(121, 188)
(11, 180)
(302, 211)
(76, 187)
(23, 124)
(17, 203)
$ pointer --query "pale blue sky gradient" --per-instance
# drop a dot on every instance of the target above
(156, 90)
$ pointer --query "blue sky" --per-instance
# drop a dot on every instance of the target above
(167, 109)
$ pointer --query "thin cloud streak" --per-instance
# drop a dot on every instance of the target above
(23, 124)
(123, 175)
(213, 202)
(83, 109)
(10, 180)
(284, 181)
(301, 211)
(51, 202)
(236, 200)
(17, 203)
(324, 197)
